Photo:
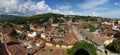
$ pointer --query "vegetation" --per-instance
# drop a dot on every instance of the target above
(114, 46)
(91, 28)
(82, 45)
(102, 29)
(117, 35)
(61, 31)
(43, 18)
(22, 36)
(116, 21)
(109, 34)
(38, 19)
(26, 27)
(13, 32)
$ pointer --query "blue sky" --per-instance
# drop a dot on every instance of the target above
(103, 8)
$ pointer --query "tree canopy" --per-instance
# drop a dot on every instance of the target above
(117, 35)
(43, 18)
(91, 27)
(22, 36)
(13, 32)
(26, 27)
(114, 46)
(84, 46)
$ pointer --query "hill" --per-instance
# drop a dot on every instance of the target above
(45, 18)
(3, 16)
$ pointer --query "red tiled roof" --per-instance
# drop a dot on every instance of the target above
(97, 39)
(108, 31)
(17, 50)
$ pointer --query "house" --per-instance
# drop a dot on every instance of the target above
(54, 25)
(17, 49)
(18, 31)
(94, 38)
(32, 34)
(3, 50)
(10, 40)
(108, 31)
(43, 35)
(107, 23)
(119, 22)
(1, 27)
(63, 24)
(51, 20)
(116, 27)
(37, 29)
(107, 42)
(14, 46)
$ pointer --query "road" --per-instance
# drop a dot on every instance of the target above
(75, 31)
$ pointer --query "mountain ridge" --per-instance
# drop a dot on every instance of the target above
(4, 16)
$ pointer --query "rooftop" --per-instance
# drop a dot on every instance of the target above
(97, 39)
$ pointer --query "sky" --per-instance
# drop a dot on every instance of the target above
(102, 8)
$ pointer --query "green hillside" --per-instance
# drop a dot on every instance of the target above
(44, 18)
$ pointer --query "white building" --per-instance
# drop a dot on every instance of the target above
(119, 22)
(33, 34)
(54, 25)
(116, 27)
(107, 23)
(18, 31)
(43, 35)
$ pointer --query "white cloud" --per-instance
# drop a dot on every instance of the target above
(23, 7)
(66, 10)
(29, 7)
(94, 14)
(88, 4)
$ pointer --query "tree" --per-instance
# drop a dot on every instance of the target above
(114, 46)
(102, 29)
(117, 35)
(22, 36)
(26, 27)
(13, 32)
(61, 31)
(109, 34)
(116, 22)
(83, 48)
(91, 27)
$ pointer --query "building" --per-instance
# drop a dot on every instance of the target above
(32, 34)
(54, 25)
